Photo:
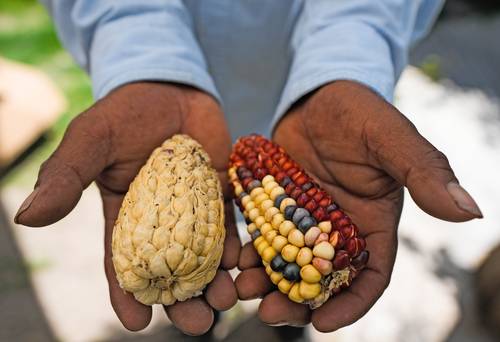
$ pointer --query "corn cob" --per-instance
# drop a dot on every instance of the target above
(310, 248)
(169, 234)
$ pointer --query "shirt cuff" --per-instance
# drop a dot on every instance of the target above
(345, 51)
(158, 46)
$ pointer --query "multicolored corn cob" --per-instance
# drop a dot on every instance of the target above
(308, 245)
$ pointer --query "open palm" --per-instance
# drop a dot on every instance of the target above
(362, 151)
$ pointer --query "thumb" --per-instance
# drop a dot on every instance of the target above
(81, 156)
(424, 170)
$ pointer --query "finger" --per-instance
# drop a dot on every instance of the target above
(352, 303)
(192, 317)
(249, 257)
(221, 292)
(277, 309)
(82, 154)
(253, 283)
(133, 315)
(423, 169)
(232, 244)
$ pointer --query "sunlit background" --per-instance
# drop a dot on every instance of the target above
(447, 276)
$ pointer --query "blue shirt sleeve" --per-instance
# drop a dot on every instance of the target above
(362, 40)
(123, 41)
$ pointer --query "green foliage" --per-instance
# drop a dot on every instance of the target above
(27, 35)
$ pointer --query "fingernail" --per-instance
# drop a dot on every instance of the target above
(463, 200)
(26, 204)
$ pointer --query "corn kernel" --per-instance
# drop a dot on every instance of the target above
(266, 227)
(279, 242)
(270, 186)
(251, 228)
(294, 294)
(304, 256)
(259, 221)
(307, 290)
(289, 252)
(270, 213)
(238, 189)
(276, 277)
(286, 202)
(250, 205)
(276, 192)
(324, 250)
(311, 236)
(325, 226)
(268, 254)
(276, 221)
(267, 179)
(296, 238)
(270, 235)
(260, 198)
(266, 205)
(263, 245)
(325, 267)
(245, 200)
(284, 286)
(258, 240)
(310, 274)
(269, 270)
(253, 214)
(285, 227)
(256, 192)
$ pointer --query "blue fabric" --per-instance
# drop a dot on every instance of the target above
(256, 57)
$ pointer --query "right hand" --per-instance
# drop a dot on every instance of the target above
(108, 144)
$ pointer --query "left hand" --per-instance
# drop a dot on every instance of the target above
(362, 151)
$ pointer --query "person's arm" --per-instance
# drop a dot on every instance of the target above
(123, 41)
(361, 40)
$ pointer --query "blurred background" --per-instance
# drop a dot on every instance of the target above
(447, 276)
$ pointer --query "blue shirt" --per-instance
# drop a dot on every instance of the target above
(257, 57)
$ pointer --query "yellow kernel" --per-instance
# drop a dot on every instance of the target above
(270, 235)
(325, 226)
(304, 256)
(270, 186)
(257, 241)
(268, 254)
(294, 294)
(279, 242)
(260, 198)
(296, 238)
(266, 227)
(276, 192)
(263, 245)
(286, 202)
(253, 214)
(269, 270)
(259, 221)
(324, 250)
(245, 200)
(277, 219)
(238, 189)
(266, 205)
(310, 274)
(311, 236)
(276, 277)
(270, 213)
(289, 252)
(251, 228)
(231, 171)
(308, 290)
(284, 286)
(250, 205)
(285, 227)
(256, 192)
(267, 179)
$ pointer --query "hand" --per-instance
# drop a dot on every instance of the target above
(362, 151)
(108, 144)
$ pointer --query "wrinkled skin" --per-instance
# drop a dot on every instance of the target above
(362, 151)
(108, 144)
